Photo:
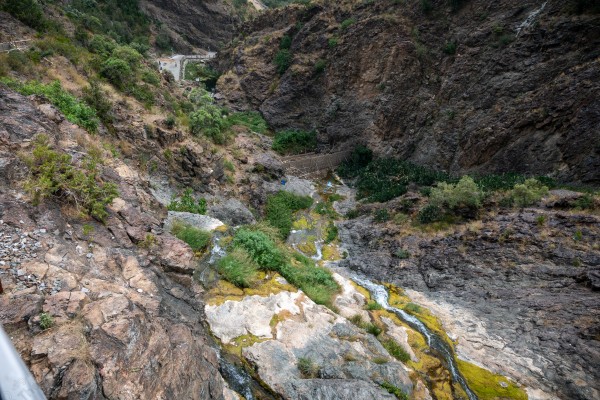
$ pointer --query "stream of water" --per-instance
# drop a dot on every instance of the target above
(381, 296)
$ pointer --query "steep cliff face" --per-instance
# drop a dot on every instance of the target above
(480, 87)
(205, 24)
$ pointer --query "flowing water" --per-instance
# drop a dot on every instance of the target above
(381, 296)
(530, 19)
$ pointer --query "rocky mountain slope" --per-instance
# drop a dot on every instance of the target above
(466, 87)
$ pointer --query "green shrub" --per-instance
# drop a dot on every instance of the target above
(347, 22)
(320, 66)
(528, 193)
(53, 174)
(373, 305)
(395, 350)
(187, 203)
(117, 71)
(413, 308)
(46, 321)
(129, 55)
(286, 42)
(332, 42)
(300, 271)
(102, 45)
(331, 232)
(196, 238)
(429, 213)
(585, 202)
(352, 214)
(308, 368)
(294, 142)
(372, 329)
(450, 48)
(250, 119)
(238, 268)
(402, 254)
(150, 77)
(382, 215)
(386, 178)
(426, 7)
(360, 157)
(210, 122)
(396, 391)
(464, 197)
(74, 110)
(283, 60)
(96, 98)
(281, 208)
(27, 11)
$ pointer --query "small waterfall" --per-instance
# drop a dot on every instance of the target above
(381, 296)
(530, 19)
(238, 379)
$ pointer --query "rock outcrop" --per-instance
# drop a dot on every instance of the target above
(517, 289)
(91, 313)
(488, 87)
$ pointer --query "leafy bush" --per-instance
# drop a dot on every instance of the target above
(331, 232)
(464, 196)
(360, 157)
(46, 321)
(402, 254)
(209, 121)
(187, 203)
(332, 42)
(251, 119)
(528, 193)
(74, 110)
(373, 305)
(27, 11)
(238, 268)
(298, 270)
(280, 209)
(347, 22)
(320, 66)
(286, 42)
(102, 45)
(429, 213)
(203, 73)
(395, 350)
(385, 179)
(53, 174)
(372, 329)
(129, 55)
(283, 60)
(96, 98)
(117, 71)
(196, 238)
(382, 215)
(294, 142)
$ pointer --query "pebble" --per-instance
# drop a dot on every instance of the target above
(89, 255)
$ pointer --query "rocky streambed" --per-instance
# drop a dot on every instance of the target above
(375, 341)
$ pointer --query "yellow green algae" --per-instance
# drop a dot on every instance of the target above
(489, 386)
(331, 252)
(308, 248)
(236, 346)
(303, 223)
(265, 285)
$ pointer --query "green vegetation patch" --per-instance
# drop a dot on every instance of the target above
(196, 238)
(75, 110)
(187, 203)
(250, 119)
(298, 270)
(395, 350)
(396, 391)
(280, 210)
(238, 267)
(53, 173)
(488, 386)
(295, 142)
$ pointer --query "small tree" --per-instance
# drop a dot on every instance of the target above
(528, 193)
(117, 71)
(464, 197)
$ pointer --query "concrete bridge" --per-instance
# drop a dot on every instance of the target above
(177, 63)
(305, 165)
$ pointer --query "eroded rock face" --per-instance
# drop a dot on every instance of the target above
(518, 295)
(123, 323)
(287, 327)
(464, 91)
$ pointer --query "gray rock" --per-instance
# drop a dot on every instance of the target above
(232, 212)
(297, 186)
(199, 221)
